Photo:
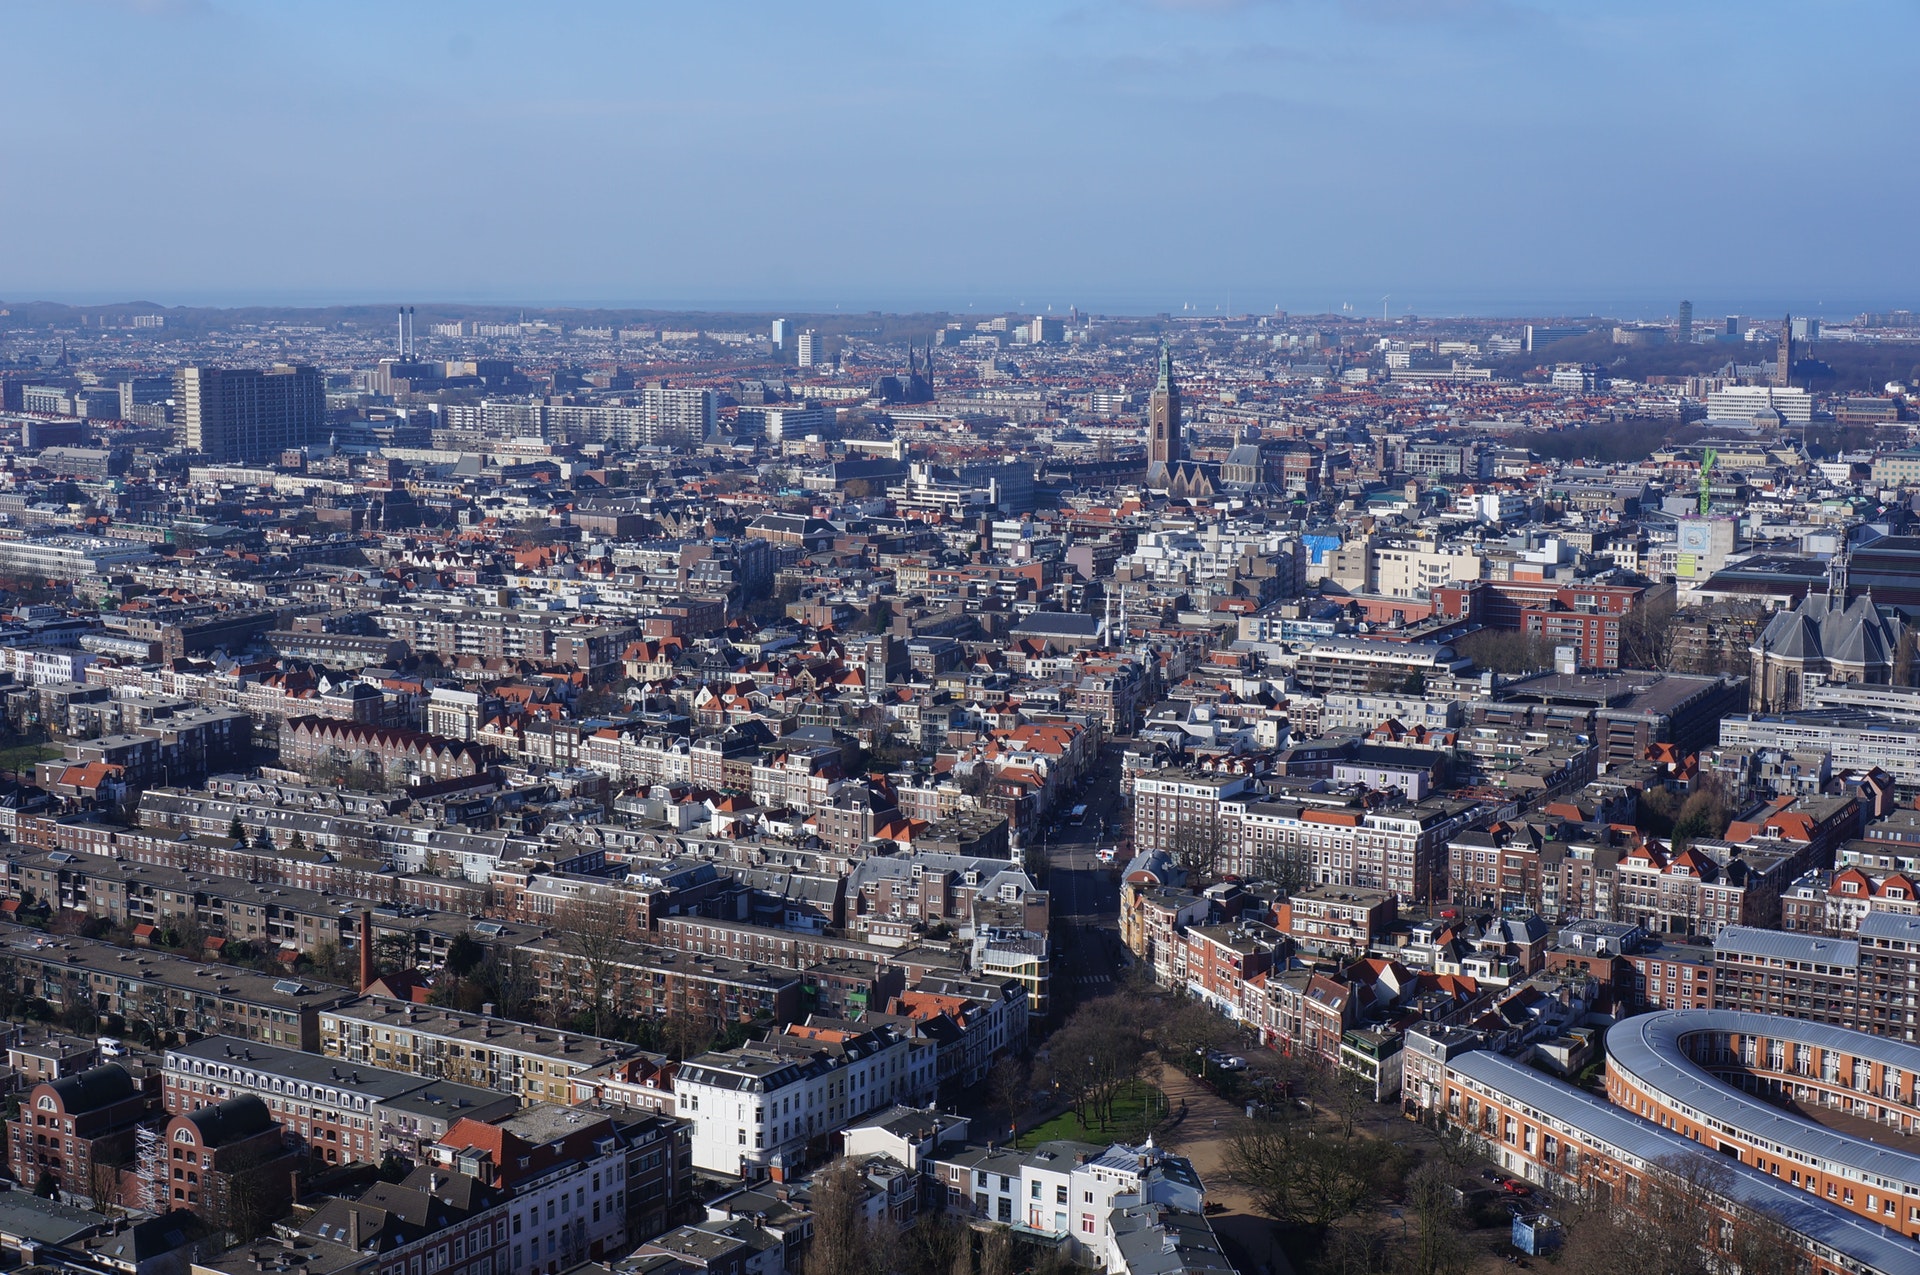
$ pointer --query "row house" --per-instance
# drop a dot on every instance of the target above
(1309, 1014)
(1154, 920)
(501, 1055)
(79, 1130)
(971, 1022)
(312, 869)
(1338, 920)
(774, 1104)
(896, 897)
(307, 742)
(1222, 961)
(170, 993)
(564, 1173)
(1705, 888)
(759, 944)
(209, 1149)
(1498, 867)
(1835, 901)
(1174, 809)
(1110, 692)
(726, 760)
(339, 1114)
(804, 779)
(147, 899)
(644, 759)
(1577, 879)
(855, 813)
(1399, 849)
(1067, 1193)
(647, 979)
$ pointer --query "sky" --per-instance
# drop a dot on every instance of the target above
(1434, 156)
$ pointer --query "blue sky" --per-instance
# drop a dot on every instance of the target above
(1453, 155)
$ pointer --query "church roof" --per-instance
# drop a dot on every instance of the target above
(1848, 631)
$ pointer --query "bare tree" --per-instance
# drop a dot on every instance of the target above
(1094, 1056)
(837, 1246)
(509, 975)
(1310, 1178)
(1010, 1083)
(1286, 869)
(103, 1184)
(1197, 846)
(1436, 1246)
(996, 1252)
(1662, 1220)
(594, 931)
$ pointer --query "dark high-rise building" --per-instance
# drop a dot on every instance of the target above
(1685, 334)
(1164, 450)
(250, 414)
(1783, 372)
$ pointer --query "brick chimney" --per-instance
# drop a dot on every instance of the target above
(366, 950)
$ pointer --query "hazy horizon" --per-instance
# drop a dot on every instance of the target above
(1455, 156)
(1645, 308)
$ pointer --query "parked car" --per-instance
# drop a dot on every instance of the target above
(1520, 1189)
(1230, 1062)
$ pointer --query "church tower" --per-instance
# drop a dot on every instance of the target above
(1163, 424)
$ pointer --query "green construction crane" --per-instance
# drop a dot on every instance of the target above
(1706, 467)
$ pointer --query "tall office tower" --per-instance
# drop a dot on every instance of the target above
(811, 349)
(1783, 372)
(250, 414)
(780, 334)
(1163, 422)
(1685, 335)
(678, 417)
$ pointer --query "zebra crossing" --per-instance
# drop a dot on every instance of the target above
(1092, 980)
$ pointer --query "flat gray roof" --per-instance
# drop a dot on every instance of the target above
(1779, 945)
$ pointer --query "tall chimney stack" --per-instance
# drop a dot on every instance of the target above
(402, 333)
(366, 950)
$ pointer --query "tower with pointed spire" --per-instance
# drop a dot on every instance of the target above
(1164, 450)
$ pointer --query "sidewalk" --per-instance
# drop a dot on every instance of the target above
(1204, 1135)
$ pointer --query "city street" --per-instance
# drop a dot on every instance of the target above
(1086, 892)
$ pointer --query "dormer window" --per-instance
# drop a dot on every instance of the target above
(1850, 887)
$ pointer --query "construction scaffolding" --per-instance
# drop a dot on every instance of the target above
(150, 1159)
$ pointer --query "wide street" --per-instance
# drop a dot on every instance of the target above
(1086, 892)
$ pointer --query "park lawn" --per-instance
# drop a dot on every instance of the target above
(23, 756)
(1139, 1107)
